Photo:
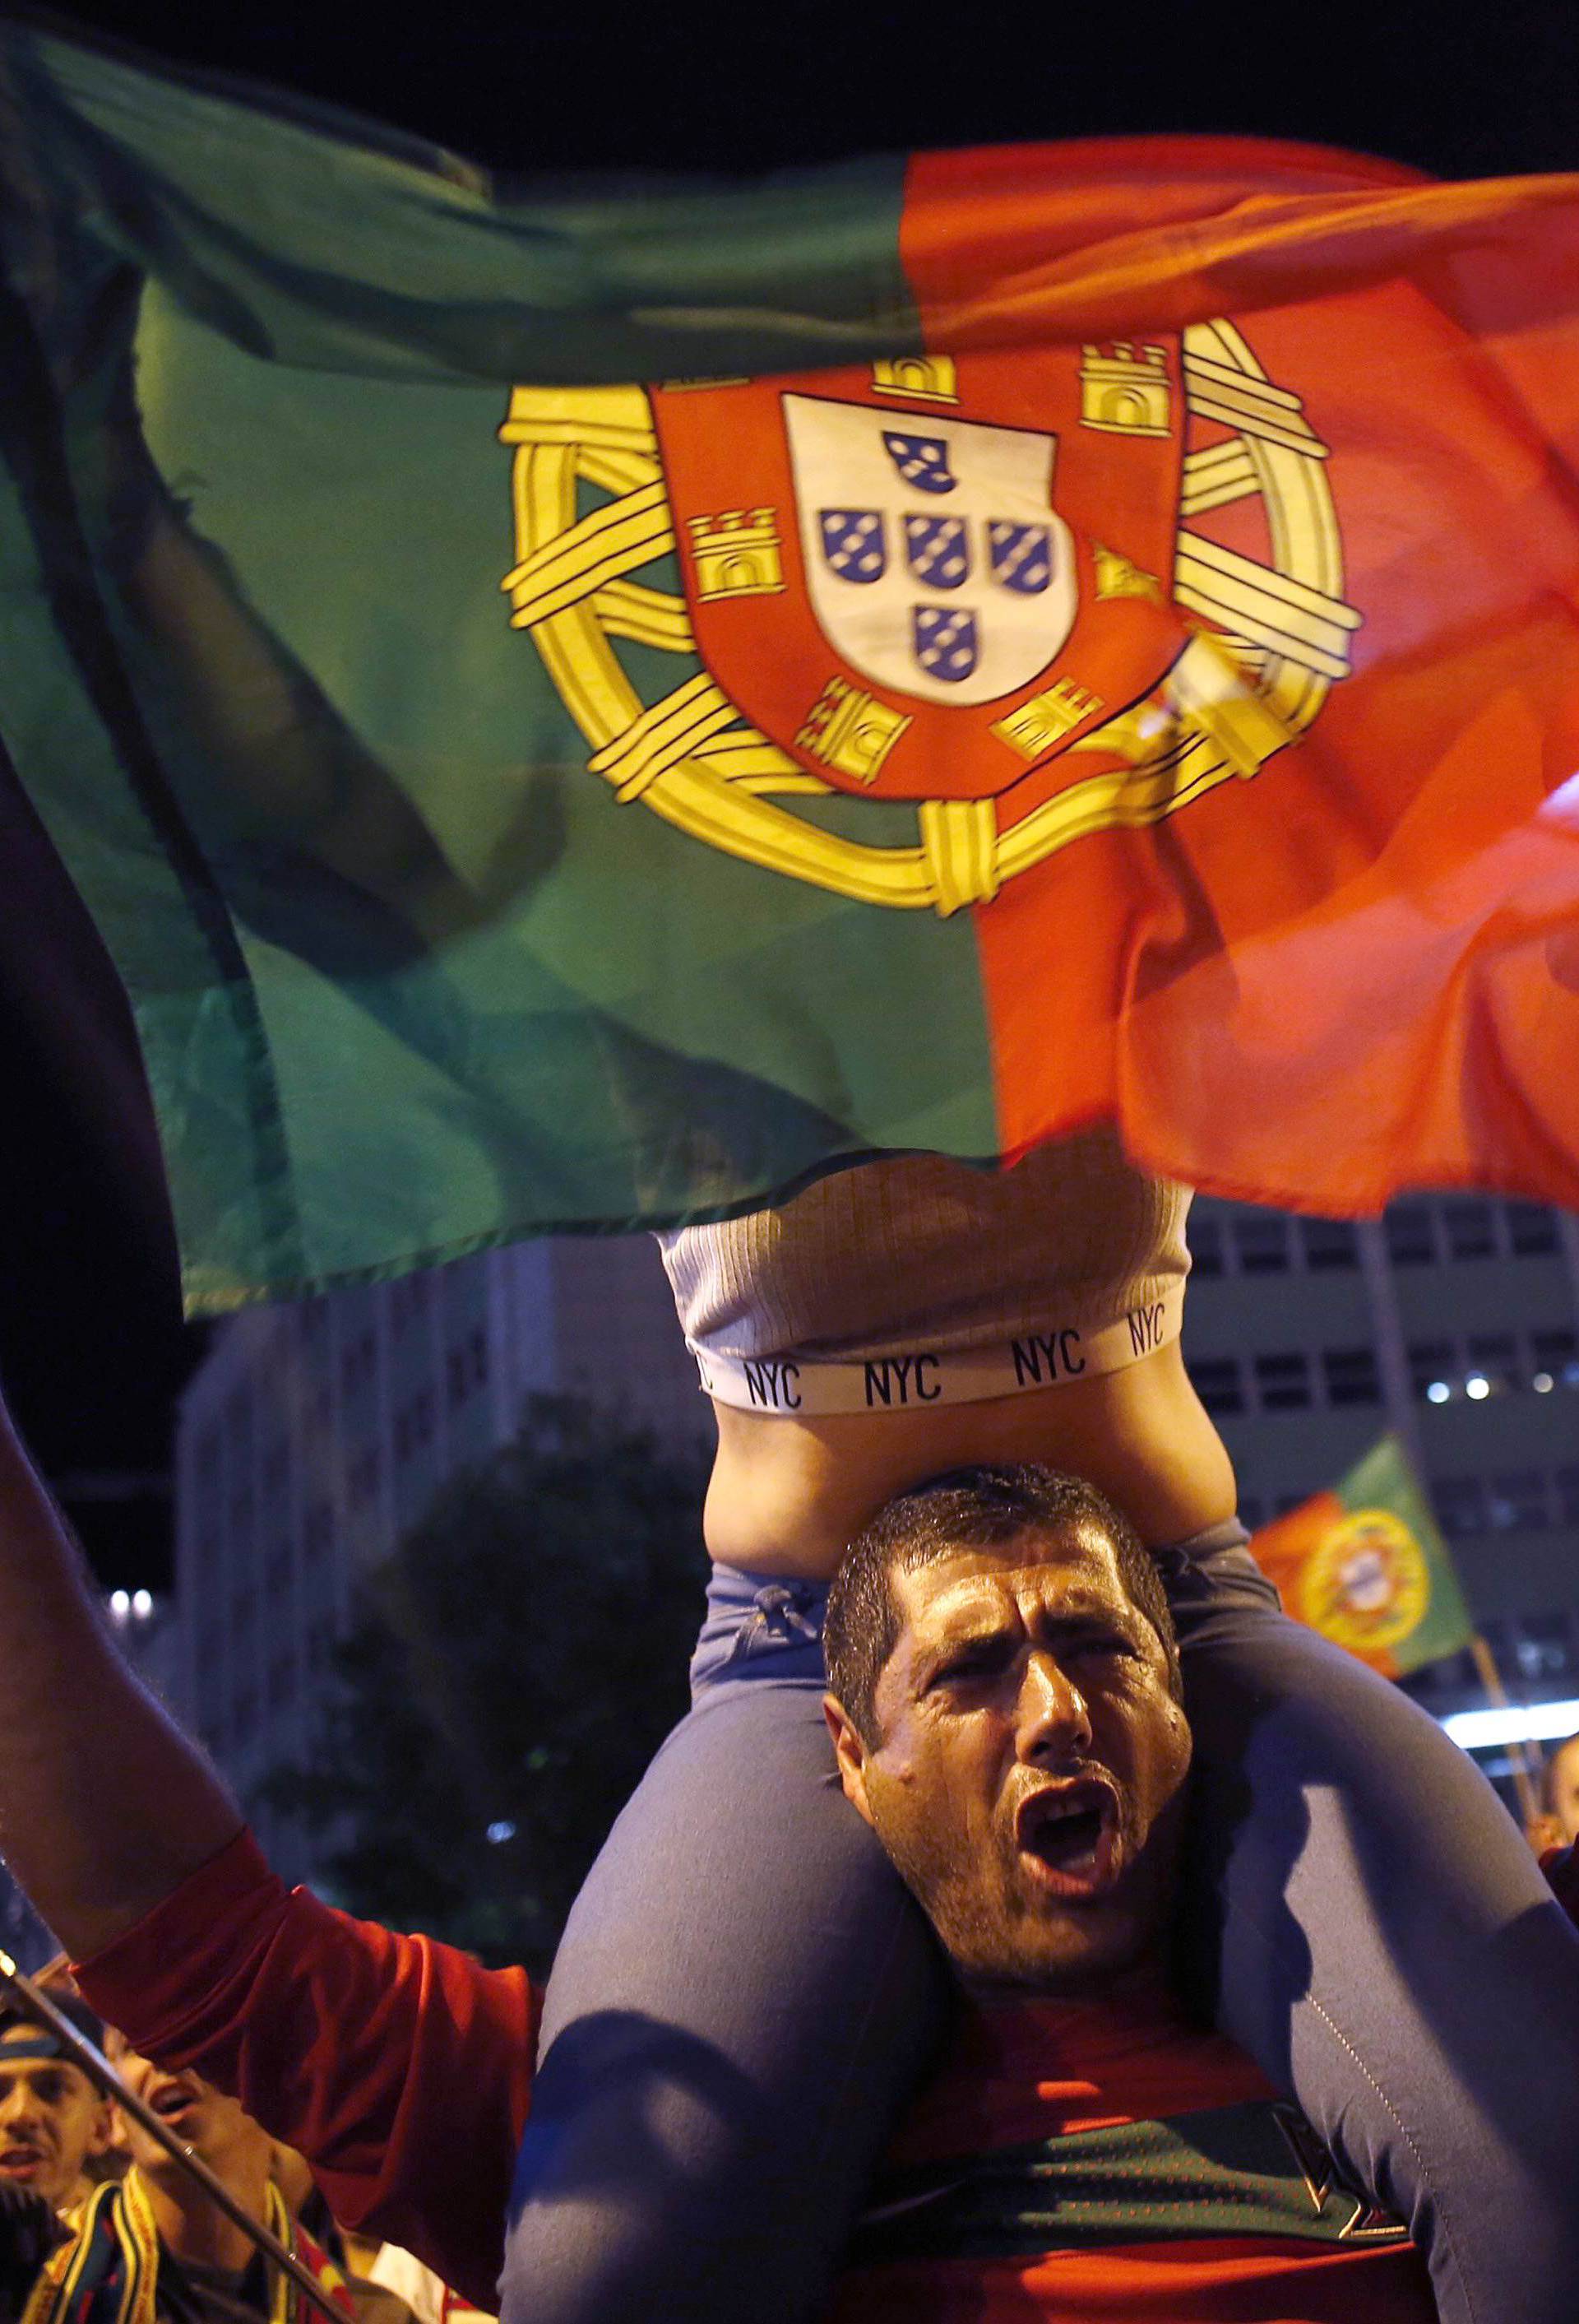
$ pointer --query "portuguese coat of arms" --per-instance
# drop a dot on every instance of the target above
(974, 585)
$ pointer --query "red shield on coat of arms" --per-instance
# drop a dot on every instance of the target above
(929, 581)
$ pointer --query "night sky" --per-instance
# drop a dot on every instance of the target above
(91, 1346)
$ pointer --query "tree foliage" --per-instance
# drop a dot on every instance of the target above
(512, 1665)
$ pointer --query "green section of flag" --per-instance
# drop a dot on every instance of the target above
(1385, 1480)
(409, 979)
(327, 241)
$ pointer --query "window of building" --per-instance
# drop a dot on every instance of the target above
(1351, 1376)
(1471, 1229)
(238, 1421)
(1458, 1672)
(1219, 1383)
(1432, 1365)
(1461, 1504)
(1282, 1382)
(408, 1301)
(1555, 1354)
(1532, 1232)
(1206, 1245)
(1544, 1648)
(363, 1477)
(1261, 1243)
(1328, 1244)
(1566, 1480)
(1410, 1233)
(1517, 1498)
(1494, 1355)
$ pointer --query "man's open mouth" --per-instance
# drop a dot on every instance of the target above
(1068, 1836)
(172, 2101)
(20, 2162)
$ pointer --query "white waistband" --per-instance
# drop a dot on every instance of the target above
(920, 1376)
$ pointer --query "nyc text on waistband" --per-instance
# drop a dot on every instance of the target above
(917, 1379)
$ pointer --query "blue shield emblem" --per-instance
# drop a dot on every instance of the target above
(922, 460)
(938, 548)
(888, 559)
(854, 543)
(1022, 557)
(945, 640)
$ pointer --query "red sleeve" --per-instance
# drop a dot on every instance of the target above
(400, 2068)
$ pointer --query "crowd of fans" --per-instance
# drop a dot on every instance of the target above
(87, 2193)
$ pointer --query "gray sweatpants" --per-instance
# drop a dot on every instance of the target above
(746, 1996)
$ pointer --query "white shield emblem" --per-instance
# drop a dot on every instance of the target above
(935, 559)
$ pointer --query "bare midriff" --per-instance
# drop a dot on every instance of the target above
(788, 1493)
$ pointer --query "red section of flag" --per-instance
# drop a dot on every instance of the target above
(1342, 954)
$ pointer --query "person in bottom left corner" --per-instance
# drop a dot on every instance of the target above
(152, 2248)
(53, 2124)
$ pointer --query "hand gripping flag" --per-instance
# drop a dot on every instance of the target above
(579, 707)
(1366, 1565)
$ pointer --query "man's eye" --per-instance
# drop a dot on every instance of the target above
(1105, 1643)
(974, 1662)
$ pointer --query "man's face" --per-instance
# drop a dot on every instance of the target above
(51, 2119)
(204, 2118)
(1028, 1782)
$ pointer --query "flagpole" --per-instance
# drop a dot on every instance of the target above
(1491, 1678)
(79, 2052)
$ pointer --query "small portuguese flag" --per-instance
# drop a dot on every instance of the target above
(1366, 1565)
(578, 706)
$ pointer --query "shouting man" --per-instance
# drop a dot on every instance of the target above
(1006, 1715)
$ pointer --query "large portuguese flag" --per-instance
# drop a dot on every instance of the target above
(575, 706)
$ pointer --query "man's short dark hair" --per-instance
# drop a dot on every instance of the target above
(983, 1506)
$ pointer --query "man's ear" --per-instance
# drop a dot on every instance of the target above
(106, 2128)
(851, 1755)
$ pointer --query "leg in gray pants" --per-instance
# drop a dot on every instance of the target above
(746, 1997)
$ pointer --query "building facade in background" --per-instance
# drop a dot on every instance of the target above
(1454, 1323)
(313, 1435)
